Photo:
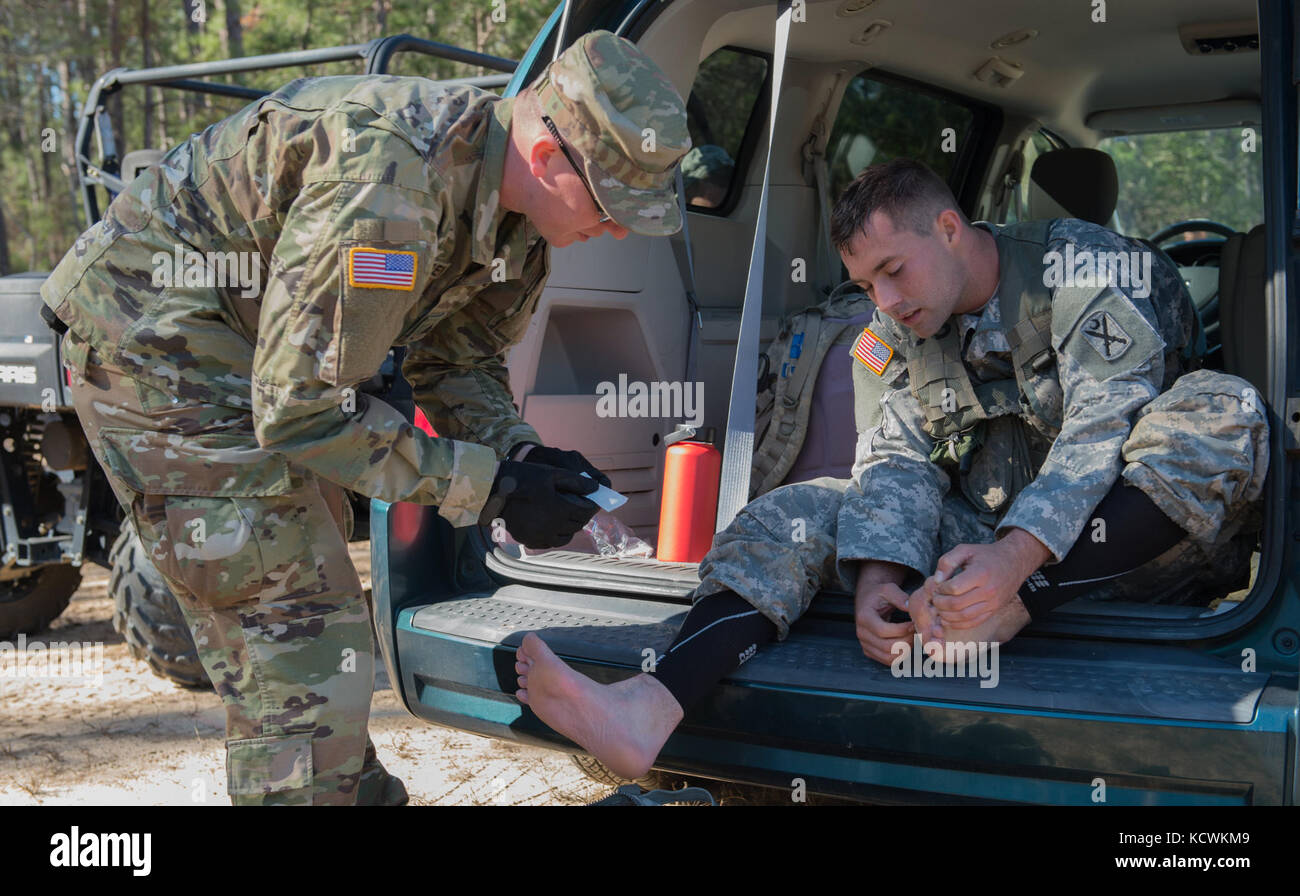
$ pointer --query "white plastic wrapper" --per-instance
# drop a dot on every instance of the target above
(606, 535)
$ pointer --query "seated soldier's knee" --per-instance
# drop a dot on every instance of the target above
(812, 505)
(1200, 450)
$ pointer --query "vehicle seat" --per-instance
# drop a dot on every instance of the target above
(1083, 183)
(1073, 183)
(1243, 269)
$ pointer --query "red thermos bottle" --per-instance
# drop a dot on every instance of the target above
(689, 510)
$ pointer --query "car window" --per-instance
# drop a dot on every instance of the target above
(1180, 176)
(719, 113)
(880, 120)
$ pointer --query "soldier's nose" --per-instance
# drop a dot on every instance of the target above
(886, 300)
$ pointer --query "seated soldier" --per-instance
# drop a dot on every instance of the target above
(1030, 430)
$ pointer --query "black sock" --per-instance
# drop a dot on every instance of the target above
(1137, 532)
(720, 632)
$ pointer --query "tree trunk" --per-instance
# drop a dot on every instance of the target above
(10, 113)
(116, 41)
(306, 31)
(232, 36)
(5, 269)
(190, 101)
(146, 119)
(68, 137)
(44, 119)
(85, 68)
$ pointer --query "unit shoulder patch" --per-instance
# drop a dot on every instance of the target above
(1111, 336)
(1105, 335)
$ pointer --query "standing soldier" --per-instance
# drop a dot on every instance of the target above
(384, 211)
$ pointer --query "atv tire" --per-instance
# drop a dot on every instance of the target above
(29, 604)
(146, 615)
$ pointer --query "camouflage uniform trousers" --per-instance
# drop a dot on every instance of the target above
(1197, 450)
(262, 576)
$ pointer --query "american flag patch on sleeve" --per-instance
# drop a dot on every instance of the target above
(872, 352)
(381, 268)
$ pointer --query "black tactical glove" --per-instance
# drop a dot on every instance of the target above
(565, 460)
(541, 505)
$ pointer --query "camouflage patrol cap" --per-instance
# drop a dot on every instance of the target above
(627, 124)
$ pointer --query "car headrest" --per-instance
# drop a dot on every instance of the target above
(1073, 183)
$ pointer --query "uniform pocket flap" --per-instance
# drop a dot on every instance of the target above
(75, 351)
(212, 464)
(262, 765)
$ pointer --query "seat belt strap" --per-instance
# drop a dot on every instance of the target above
(688, 276)
(828, 260)
(738, 452)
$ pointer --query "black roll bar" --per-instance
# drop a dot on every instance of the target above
(375, 54)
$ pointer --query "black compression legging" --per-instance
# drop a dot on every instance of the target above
(720, 632)
(1136, 532)
(723, 630)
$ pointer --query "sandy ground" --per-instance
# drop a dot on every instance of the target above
(133, 738)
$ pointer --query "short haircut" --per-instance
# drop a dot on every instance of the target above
(904, 189)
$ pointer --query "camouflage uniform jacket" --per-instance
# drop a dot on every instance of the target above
(893, 513)
(297, 181)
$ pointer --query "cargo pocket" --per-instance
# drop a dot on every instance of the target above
(206, 465)
(221, 515)
(270, 770)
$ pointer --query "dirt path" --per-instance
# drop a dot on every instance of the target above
(128, 737)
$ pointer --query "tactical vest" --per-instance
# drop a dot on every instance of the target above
(954, 405)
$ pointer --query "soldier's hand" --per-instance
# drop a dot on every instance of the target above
(565, 460)
(542, 506)
(873, 604)
(975, 582)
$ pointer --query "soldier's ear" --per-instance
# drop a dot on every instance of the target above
(949, 226)
(541, 154)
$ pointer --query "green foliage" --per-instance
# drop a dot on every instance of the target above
(878, 121)
(726, 88)
(1166, 178)
(51, 52)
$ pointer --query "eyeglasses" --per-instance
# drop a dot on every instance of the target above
(550, 126)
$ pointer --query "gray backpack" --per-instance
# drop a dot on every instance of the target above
(804, 423)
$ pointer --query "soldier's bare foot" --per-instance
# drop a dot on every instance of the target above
(624, 724)
(1001, 627)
